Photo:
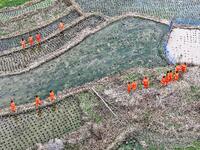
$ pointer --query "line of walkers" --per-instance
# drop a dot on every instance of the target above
(52, 96)
(38, 101)
(31, 40)
(38, 37)
(169, 77)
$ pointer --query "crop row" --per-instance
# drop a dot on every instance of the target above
(45, 31)
(21, 59)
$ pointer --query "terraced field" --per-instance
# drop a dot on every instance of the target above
(6, 15)
(22, 59)
(45, 31)
(183, 46)
(167, 9)
(53, 120)
(38, 19)
(128, 43)
(28, 127)
(11, 3)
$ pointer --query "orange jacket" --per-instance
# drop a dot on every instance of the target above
(183, 67)
(145, 82)
(176, 76)
(38, 101)
(61, 26)
(38, 37)
(170, 76)
(163, 81)
(134, 85)
(129, 88)
(52, 96)
(178, 68)
(12, 107)
(23, 43)
(167, 78)
(31, 41)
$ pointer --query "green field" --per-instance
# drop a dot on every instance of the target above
(125, 44)
(167, 9)
(53, 121)
(11, 3)
(27, 128)
(132, 143)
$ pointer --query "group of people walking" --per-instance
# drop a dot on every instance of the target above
(166, 79)
(31, 40)
(38, 37)
(38, 101)
(134, 84)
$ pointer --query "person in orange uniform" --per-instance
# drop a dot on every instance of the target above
(61, 26)
(163, 81)
(176, 76)
(134, 85)
(31, 41)
(170, 75)
(167, 78)
(12, 106)
(38, 101)
(184, 67)
(129, 87)
(38, 37)
(178, 68)
(23, 43)
(52, 96)
(145, 82)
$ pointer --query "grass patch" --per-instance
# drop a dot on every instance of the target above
(160, 9)
(194, 146)
(193, 94)
(174, 125)
(71, 147)
(131, 144)
(11, 3)
(100, 87)
(132, 77)
(123, 45)
(88, 102)
(28, 128)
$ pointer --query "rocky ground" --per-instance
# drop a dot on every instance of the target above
(167, 116)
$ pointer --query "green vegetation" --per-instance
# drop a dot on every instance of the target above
(132, 77)
(128, 43)
(100, 87)
(174, 125)
(195, 91)
(167, 9)
(193, 94)
(71, 147)
(194, 146)
(30, 127)
(88, 103)
(11, 3)
(131, 144)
